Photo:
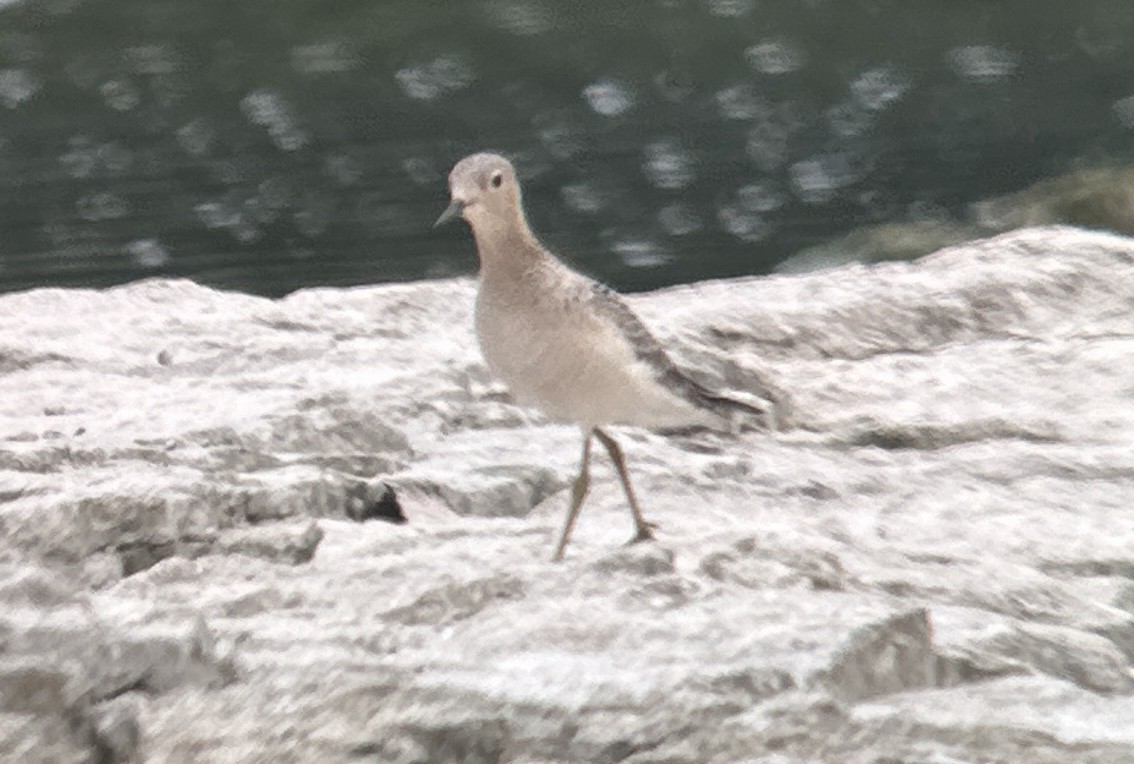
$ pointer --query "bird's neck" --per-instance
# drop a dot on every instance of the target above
(506, 246)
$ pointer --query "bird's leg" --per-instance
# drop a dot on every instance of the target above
(578, 493)
(643, 531)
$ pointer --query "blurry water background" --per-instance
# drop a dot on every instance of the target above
(267, 145)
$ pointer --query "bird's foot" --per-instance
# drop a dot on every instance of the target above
(645, 533)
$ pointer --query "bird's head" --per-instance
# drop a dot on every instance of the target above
(483, 189)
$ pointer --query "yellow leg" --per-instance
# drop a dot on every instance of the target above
(643, 531)
(578, 493)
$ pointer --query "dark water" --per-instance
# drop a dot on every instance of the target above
(269, 145)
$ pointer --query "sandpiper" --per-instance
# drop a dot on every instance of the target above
(566, 344)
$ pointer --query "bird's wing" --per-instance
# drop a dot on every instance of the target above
(610, 305)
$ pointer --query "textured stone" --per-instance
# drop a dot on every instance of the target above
(934, 565)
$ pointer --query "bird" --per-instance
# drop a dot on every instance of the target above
(566, 344)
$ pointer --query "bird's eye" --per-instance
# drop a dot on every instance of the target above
(497, 179)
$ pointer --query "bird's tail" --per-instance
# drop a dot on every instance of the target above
(772, 412)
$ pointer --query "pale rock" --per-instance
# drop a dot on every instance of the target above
(935, 564)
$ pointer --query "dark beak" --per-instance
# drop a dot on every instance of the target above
(452, 211)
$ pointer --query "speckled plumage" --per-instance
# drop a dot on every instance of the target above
(564, 343)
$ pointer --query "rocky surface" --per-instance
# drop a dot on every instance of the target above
(315, 529)
(1096, 197)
